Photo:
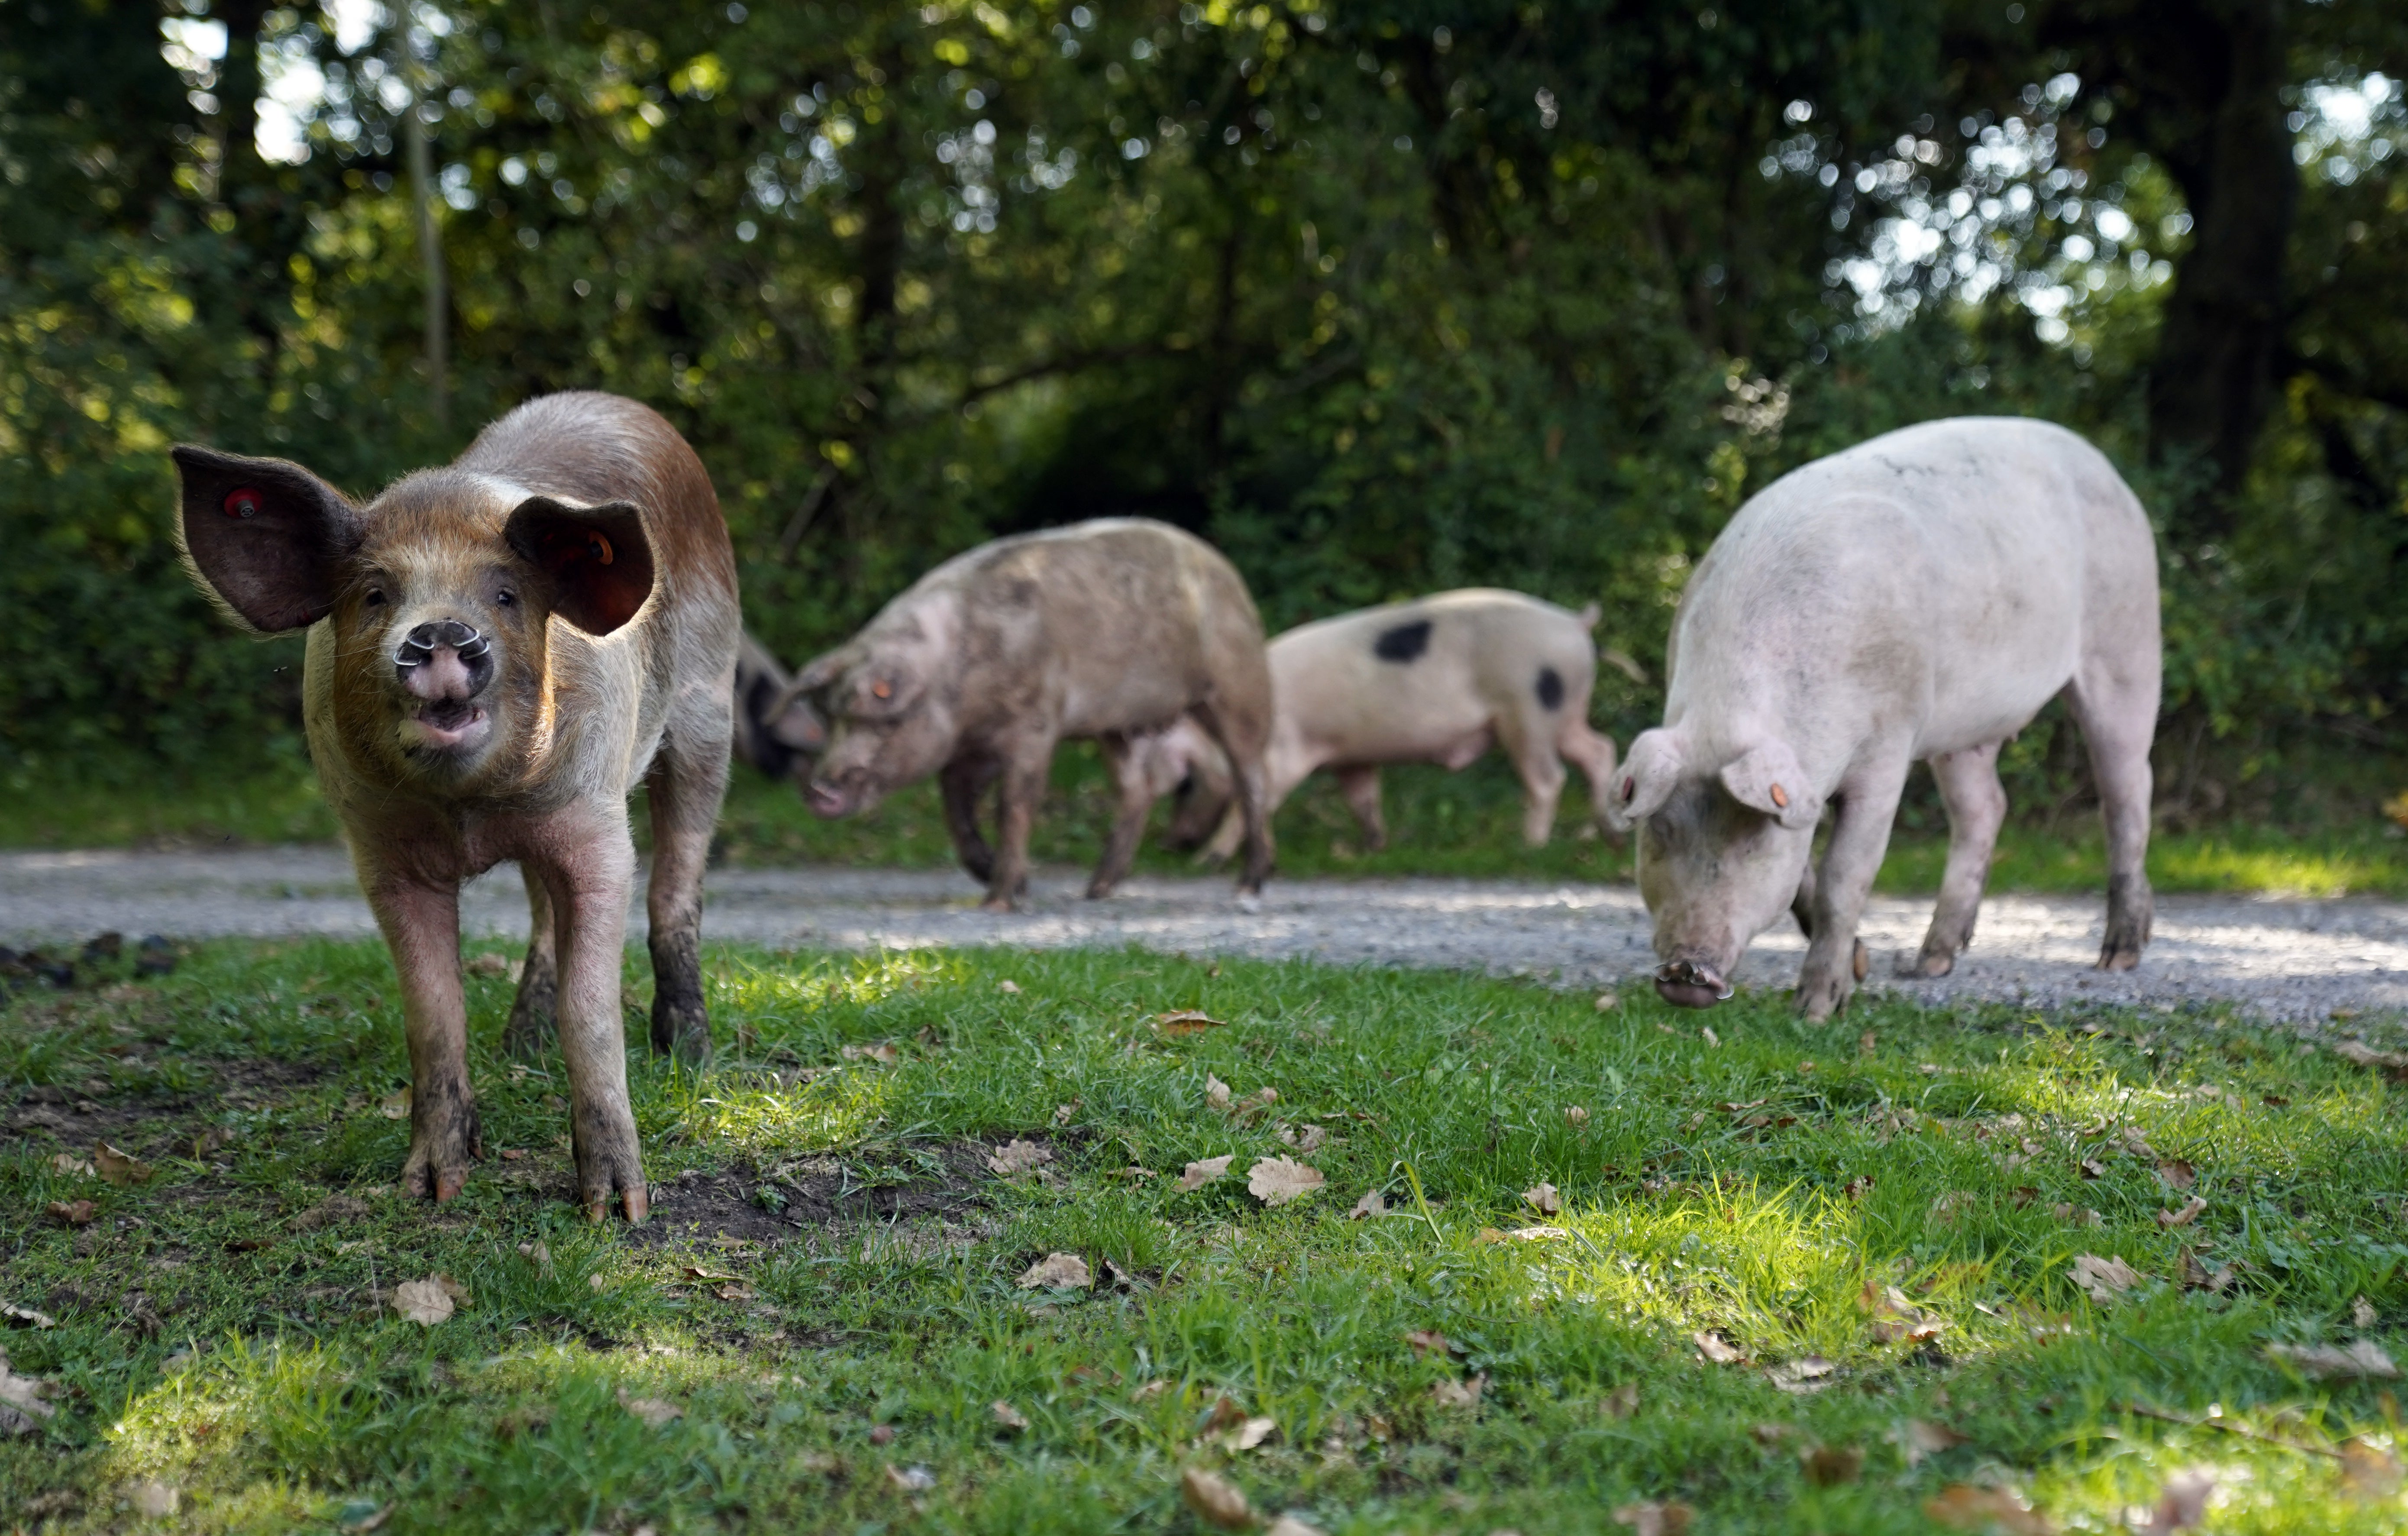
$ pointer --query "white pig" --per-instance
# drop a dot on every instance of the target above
(1918, 596)
(1440, 679)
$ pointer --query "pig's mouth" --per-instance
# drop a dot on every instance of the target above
(1691, 984)
(445, 726)
(830, 801)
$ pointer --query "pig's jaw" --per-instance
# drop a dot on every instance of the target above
(1691, 982)
(447, 731)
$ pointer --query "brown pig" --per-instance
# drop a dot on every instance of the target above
(1111, 630)
(498, 651)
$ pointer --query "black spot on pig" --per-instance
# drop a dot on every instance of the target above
(1404, 642)
(766, 751)
(1551, 688)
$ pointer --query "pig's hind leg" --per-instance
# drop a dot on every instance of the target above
(1244, 739)
(1977, 807)
(1361, 787)
(1137, 792)
(2117, 710)
(685, 787)
(529, 1033)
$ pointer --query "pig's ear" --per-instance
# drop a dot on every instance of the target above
(1769, 779)
(596, 563)
(1646, 781)
(792, 723)
(267, 539)
(822, 670)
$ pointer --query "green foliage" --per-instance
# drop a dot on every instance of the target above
(1771, 1186)
(1382, 298)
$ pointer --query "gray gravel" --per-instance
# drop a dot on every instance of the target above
(2283, 960)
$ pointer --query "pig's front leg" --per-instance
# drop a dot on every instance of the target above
(590, 887)
(1835, 961)
(1137, 798)
(964, 779)
(422, 927)
(1025, 771)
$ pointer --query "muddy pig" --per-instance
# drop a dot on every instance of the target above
(1111, 630)
(1919, 596)
(1440, 679)
(497, 651)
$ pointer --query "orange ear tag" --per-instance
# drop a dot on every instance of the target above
(883, 689)
(599, 548)
(1781, 797)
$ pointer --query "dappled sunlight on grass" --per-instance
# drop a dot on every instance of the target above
(2277, 871)
(766, 1118)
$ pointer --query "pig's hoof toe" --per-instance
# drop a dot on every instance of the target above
(1099, 890)
(2113, 958)
(1249, 903)
(1926, 967)
(1000, 906)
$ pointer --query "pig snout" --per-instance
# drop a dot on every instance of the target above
(1691, 984)
(829, 800)
(444, 664)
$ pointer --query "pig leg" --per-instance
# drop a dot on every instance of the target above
(2117, 715)
(529, 1032)
(1593, 754)
(964, 781)
(422, 927)
(685, 787)
(1531, 745)
(1977, 807)
(1361, 787)
(1138, 795)
(1242, 740)
(1025, 775)
(590, 888)
(1835, 960)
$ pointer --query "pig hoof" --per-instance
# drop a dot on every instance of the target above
(681, 1032)
(603, 1182)
(1099, 889)
(526, 1039)
(1000, 904)
(2115, 958)
(1929, 966)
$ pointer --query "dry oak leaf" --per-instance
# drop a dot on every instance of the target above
(1653, 1519)
(1541, 1196)
(2102, 1279)
(1715, 1348)
(1810, 1374)
(2177, 1173)
(2184, 1217)
(883, 1051)
(1575, 1117)
(1831, 1466)
(1201, 1173)
(395, 1106)
(1252, 1432)
(1017, 1156)
(2369, 1471)
(72, 1212)
(1058, 1272)
(1373, 1203)
(1462, 1394)
(654, 1412)
(1961, 1507)
(1216, 1093)
(2324, 1362)
(2362, 1313)
(1276, 1181)
(1186, 1021)
(118, 1168)
(67, 1162)
(1007, 1417)
(425, 1303)
(24, 1317)
(1215, 1500)
(2195, 1277)
(1308, 1141)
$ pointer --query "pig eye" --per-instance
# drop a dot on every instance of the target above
(375, 598)
(505, 598)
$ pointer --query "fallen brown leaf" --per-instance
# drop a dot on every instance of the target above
(1961, 1507)
(1201, 1173)
(1186, 1021)
(537, 1253)
(1307, 1141)
(1373, 1203)
(1462, 1394)
(1292, 1525)
(1715, 1348)
(915, 1479)
(1831, 1466)
(883, 1051)
(1277, 1181)
(1621, 1403)
(1653, 1519)
(1007, 1417)
(21, 1404)
(118, 1168)
(2092, 1168)
(72, 1212)
(2184, 1217)
(1062, 1113)
(1575, 1117)
(1917, 1439)
(1216, 1093)
(425, 1301)
(1520, 1234)
(2195, 1277)
(1706, 1032)
(2362, 1313)
(1215, 1500)
(2177, 1173)
(654, 1412)
(2075, 1216)
(1013, 987)
(1429, 1341)
(25, 1317)
(1252, 1432)
(67, 1162)
(1608, 1001)
(2103, 1280)
(1058, 1272)
(2324, 1362)
(1017, 1156)
(1541, 1196)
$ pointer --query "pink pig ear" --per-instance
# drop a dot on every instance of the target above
(1767, 777)
(266, 538)
(1648, 776)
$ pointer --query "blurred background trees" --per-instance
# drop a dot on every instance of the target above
(1382, 297)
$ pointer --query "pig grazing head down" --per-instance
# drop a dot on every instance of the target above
(438, 593)
(1724, 839)
(887, 711)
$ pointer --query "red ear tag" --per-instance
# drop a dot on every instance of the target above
(883, 689)
(243, 503)
(599, 548)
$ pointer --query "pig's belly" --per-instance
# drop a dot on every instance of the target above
(1454, 742)
(1987, 686)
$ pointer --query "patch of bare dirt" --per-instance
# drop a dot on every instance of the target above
(811, 1195)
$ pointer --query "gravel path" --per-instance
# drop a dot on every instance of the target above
(2290, 960)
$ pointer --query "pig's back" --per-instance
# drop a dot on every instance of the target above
(1950, 570)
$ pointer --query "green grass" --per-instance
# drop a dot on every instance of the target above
(214, 1335)
(1466, 824)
